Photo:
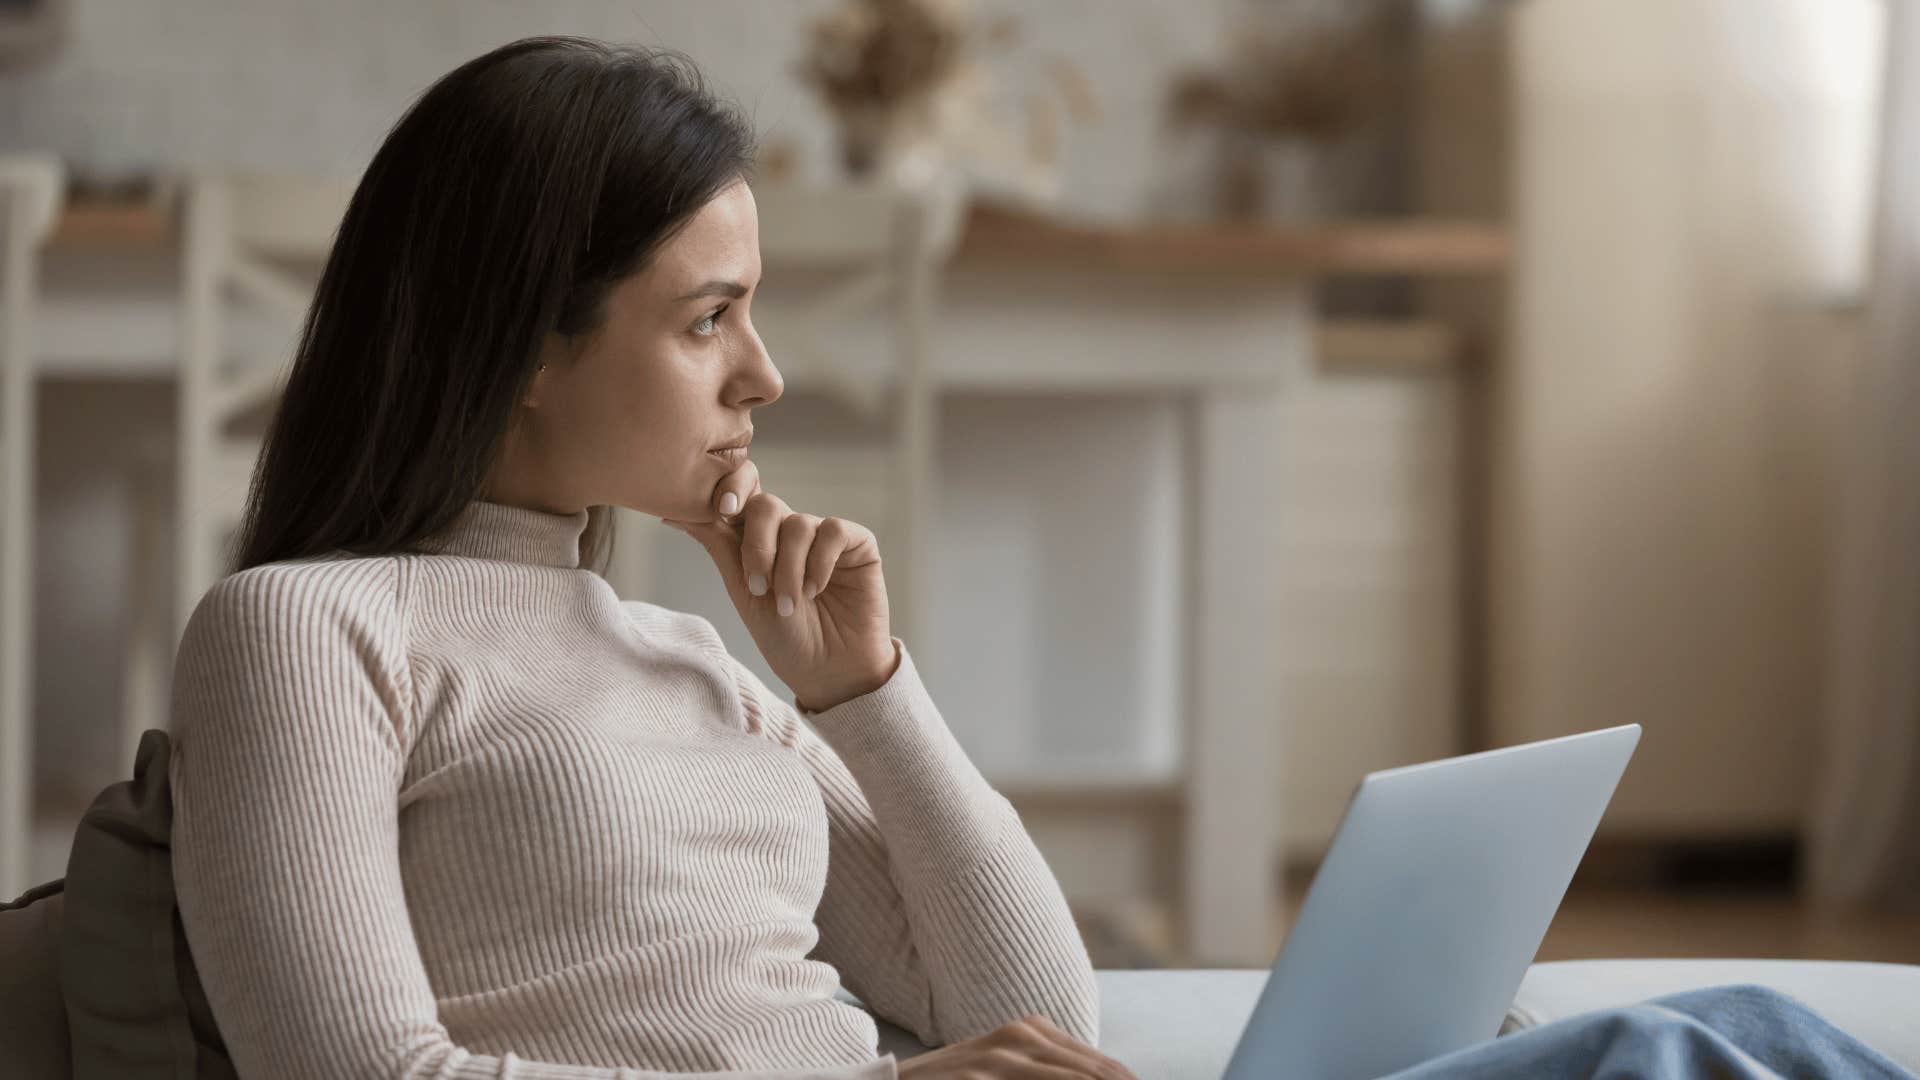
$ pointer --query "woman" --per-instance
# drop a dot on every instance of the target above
(444, 805)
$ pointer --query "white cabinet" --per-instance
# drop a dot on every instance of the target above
(1369, 558)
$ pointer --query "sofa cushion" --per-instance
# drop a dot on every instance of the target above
(134, 1004)
(33, 1017)
(1185, 1023)
(1172, 1024)
(1875, 1003)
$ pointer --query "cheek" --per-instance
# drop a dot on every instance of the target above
(652, 425)
(656, 406)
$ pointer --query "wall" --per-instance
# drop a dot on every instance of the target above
(312, 87)
(1660, 524)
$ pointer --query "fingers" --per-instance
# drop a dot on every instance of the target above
(1030, 1048)
(760, 539)
(1061, 1048)
(786, 555)
(790, 562)
(831, 541)
(1020, 1066)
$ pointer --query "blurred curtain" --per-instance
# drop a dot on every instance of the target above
(1864, 837)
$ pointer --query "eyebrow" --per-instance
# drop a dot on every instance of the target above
(731, 289)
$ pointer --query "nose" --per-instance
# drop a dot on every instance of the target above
(758, 382)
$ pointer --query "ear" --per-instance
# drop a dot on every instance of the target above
(532, 400)
(552, 349)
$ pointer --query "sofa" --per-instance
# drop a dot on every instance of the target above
(1164, 1024)
(96, 979)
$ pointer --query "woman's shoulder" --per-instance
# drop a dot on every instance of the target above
(329, 573)
(307, 634)
(315, 595)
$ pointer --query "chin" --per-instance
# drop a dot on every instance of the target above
(697, 511)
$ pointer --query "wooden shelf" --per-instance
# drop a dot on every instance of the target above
(95, 224)
(994, 235)
(1412, 246)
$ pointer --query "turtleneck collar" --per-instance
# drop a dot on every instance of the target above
(490, 530)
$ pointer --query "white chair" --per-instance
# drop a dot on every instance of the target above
(247, 244)
(240, 235)
(31, 188)
(840, 263)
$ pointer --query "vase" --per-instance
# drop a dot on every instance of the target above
(892, 144)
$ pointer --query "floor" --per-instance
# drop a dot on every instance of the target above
(1616, 922)
(1601, 922)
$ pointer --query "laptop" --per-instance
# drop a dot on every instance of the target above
(1428, 908)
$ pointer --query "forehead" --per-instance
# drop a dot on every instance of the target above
(721, 241)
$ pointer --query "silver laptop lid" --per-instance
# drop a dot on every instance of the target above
(1433, 897)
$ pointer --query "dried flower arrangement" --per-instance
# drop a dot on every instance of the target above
(1315, 83)
(902, 80)
(1304, 90)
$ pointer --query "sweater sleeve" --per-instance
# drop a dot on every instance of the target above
(939, 912)
(292, 719)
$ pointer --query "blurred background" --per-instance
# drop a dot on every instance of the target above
(1248, 394)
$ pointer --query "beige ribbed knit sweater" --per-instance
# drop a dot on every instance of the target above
(469, 814)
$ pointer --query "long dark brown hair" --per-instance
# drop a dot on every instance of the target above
(502, 206)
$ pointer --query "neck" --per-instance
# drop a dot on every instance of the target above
(511, 533)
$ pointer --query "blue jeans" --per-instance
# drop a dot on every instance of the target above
(1721, 1032)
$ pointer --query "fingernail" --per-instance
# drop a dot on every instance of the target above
(729, 503)
(810, 590)
(785, 605)
(757, 584)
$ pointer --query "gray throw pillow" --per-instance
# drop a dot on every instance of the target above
(134, 1004)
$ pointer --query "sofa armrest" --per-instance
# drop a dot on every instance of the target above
(1875, 1003)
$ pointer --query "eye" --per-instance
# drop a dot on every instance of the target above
(705, 327)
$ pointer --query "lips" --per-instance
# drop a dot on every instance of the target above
(734, 452)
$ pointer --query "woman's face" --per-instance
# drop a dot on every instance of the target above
(627, 415)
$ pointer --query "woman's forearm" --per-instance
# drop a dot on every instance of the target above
(996, 936)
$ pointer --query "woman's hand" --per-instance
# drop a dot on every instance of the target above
(1030, 1047)
(834, 641)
